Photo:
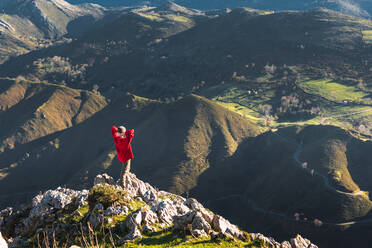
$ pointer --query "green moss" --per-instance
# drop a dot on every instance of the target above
(181, 239)
(134, 205)
(108, 195)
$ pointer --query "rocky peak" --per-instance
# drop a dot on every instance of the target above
(140, 208)
(176, 9)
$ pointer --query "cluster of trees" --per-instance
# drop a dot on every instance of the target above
(58, 69)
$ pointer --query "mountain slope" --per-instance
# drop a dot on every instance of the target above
(172, 132)
(26, 25)
(361, 8)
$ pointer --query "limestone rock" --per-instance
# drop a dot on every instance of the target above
(118, 210)
(149, 217)
(182, 222)
(3, 243)
(286, 244)
(138, 188)
(148, 229)
(195, 205)
(198, 233)
(166, 211)
(103, 179)
(98, 207)
(18, 242)
(96, 219)
(199, 223)
(300, 242)
(134, 234)
(222, 225)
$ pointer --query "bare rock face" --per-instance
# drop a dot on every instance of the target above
(103, 179)
(3, 243)
(118, 210)
(224, 226)
(138, 188)
(300, 242)
(166, 211)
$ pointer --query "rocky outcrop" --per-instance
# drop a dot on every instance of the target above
(156, 209)
(3, 243)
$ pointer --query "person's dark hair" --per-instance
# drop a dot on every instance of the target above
(120, 130)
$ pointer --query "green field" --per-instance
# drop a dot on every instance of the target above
(334, 91)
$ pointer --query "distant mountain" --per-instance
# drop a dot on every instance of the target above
(362, 8)
(27, 25)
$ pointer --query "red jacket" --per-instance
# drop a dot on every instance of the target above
(123, 148)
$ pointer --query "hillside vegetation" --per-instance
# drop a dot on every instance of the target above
(270, 110)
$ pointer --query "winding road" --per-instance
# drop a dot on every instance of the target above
(296, 155)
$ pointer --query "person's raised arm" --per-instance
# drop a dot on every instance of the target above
(129, 133)
(114, 130)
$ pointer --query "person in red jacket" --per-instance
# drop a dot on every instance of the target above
(122, 139)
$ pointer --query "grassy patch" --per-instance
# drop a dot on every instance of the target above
(173, 239)
(178, 18)
(333, 91)
(108, 195)
(152, 17)
(367, 36)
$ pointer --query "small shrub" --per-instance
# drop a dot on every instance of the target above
(107, 195)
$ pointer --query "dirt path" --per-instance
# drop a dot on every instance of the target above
(296, 157)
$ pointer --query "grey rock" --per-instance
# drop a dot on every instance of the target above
(96, 219)
(148, 229)
(182, 222)
(17, 243)
(199, 223)
(286, 244)
(103, 179)
(3, 243)
(133, 221)
(198, 233)
(6, 212)
(195, 205)
(149, 217)
(118, 210)
(222, 225)
(134, 234)
(300, 242)
(98, 207)
(137, 188)
(166, 211)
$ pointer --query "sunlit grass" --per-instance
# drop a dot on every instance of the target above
(333, 91)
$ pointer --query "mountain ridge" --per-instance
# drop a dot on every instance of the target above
(136, 211)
